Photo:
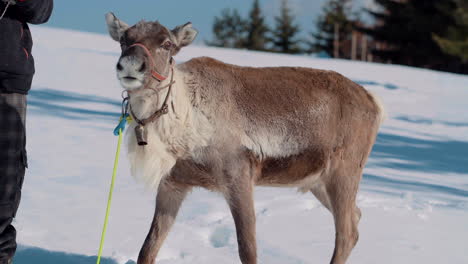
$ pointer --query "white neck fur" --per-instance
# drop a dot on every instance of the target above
(172, 136)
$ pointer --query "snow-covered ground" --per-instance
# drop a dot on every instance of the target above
(414, 195)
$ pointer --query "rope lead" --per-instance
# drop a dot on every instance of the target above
(116, 162)
(6, 8)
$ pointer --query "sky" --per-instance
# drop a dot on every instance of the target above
(88, 15)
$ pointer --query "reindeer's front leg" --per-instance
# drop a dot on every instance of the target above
(168, 201)
(240, 199)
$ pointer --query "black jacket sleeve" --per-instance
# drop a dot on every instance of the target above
(33, 11)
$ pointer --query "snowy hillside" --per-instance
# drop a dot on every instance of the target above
(414, 195)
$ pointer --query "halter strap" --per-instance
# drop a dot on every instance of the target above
(161, 111)
(154, 73)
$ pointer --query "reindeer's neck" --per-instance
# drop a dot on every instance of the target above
(183, 128)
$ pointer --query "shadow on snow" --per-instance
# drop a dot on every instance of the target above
(388, 86)
(421, 154)
(426, 121)
(50, 102)
(28, 255)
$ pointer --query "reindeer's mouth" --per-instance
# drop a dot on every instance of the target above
(129, 78)
(130, 82)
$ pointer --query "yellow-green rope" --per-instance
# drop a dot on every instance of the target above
(116, 162)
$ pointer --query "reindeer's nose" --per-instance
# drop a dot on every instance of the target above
(131, 65)
(142, 67)
(119, 66)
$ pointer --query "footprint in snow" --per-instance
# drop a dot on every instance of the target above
(221, 236)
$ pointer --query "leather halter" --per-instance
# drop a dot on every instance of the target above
(161, 111)
(154, 73)
(159, 77)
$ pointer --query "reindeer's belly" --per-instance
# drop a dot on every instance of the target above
(301, 170)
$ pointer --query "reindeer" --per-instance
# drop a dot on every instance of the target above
(226, 128)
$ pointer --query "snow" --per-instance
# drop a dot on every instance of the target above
(414, 195)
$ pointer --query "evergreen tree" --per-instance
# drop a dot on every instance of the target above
(456, 41)
(406, 27)
(257, 29)
(335, 12)
(229, 30)
(285, 33)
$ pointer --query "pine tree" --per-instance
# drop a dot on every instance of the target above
(285, 33)
(335, 12)
(229, 30)
(257, 29)
(456, 41)
(406, 27)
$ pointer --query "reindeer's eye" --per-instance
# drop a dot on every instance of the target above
(167, 45)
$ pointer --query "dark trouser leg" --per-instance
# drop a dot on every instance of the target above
(12, 167)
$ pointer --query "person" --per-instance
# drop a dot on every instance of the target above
(16, 73)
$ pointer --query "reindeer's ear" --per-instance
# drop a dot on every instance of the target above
(115, 26)
(184, 35)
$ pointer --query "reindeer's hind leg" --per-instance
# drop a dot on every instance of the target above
(320, 192)
(338, 194)
(168, 202)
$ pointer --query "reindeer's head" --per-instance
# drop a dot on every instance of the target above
(147, 50)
